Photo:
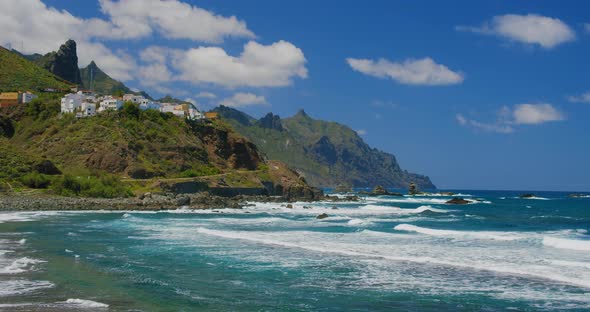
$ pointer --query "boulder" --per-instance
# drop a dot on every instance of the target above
(457, 201)
(322, 216)
(183, 201)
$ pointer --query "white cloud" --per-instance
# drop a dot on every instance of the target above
(206, 95)
(361, 131)
(414, 72)
(154, 74)
(258, 65)
(528, 29)
(244, 99)
(172, 19)
(521, 114)
(582, 98)
(532, 114)
(488, 127)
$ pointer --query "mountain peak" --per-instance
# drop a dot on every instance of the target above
(302, 113)
(270, 121)
(63, 63)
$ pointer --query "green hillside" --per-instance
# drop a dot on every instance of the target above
(18, 73)
(327, 153)
(93, 78)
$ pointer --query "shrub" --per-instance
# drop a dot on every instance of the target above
(102, 186)
(35, 180)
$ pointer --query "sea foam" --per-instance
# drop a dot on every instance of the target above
(459, 234)
(563, 243)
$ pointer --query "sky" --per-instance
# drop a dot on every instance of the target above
(474, 94)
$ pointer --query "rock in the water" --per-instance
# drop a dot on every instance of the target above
(379, 190)
(322, 216)
(528, 195)
(458, 201)
(290, 206)
(343, 188)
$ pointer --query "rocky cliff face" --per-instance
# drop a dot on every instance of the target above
(270, 121)
(63, 63)
(326, 153)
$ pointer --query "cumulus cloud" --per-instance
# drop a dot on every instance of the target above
(206, 95)
(361, 131)
(241, 99)
(534, 29)
(582, 98)
(532, 114)
(31, 26)
(412, 71)
(274, 65)
(172, 19)
(521, 114)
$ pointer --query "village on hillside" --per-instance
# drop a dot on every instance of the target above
(85, 103)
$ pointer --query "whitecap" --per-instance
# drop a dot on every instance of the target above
(86, 304)
(563, 243)
(20, 265)
(21, 287)
(460, 234)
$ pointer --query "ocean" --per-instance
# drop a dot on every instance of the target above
(498, 253)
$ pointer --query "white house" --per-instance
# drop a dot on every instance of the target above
(71, 102)
(147, 104)
(195, 114)
(88, 109)
(27, 97)
(110, 103)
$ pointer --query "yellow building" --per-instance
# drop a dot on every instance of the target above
(211, 115)
(8, 99)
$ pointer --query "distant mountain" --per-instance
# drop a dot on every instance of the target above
(326, 153)
(93, 78)
(18, 73)
(63, 63)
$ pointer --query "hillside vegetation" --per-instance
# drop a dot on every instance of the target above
(326, 153)
(44, 149)
(19, 73)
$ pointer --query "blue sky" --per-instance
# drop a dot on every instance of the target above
(475, 94)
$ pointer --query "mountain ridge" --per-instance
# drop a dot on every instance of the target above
(326, 153)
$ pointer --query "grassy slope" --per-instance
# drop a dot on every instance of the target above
(102, 83)
(19, 73)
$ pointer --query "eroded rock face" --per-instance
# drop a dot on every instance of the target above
(237, 151)
(270, 121)
(64, 62)
(114, 160)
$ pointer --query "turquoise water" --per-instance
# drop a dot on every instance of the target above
(381, 254)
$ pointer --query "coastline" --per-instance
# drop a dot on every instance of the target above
(146, 202)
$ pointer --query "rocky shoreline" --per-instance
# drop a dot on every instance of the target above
(145, 202)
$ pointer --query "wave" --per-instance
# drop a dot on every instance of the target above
(20, 265)
(563, 243)
(86, 304)
(21, 287)
(461, 234)
(359, 248)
